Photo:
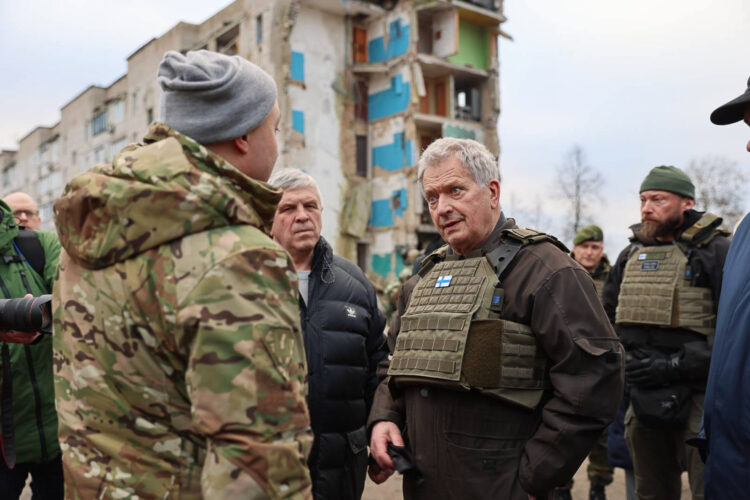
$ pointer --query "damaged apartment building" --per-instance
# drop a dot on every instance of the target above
(364, 86)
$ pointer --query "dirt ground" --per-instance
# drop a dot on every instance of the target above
(391, 489)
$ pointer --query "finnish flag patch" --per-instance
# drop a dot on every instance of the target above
(443, 281)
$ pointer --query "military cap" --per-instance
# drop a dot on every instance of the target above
(668, 178)
(588, 233)
(734, 110)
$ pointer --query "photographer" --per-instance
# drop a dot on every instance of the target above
(28, 260)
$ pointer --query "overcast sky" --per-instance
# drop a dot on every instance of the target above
(632, 83)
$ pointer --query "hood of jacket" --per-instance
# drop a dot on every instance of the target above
(165, 188)
(8, 227)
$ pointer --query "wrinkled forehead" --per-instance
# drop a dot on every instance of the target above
(651, 193)
(446, 172)
(302, 194)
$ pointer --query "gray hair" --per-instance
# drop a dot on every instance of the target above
(294, 178)
(477, 159)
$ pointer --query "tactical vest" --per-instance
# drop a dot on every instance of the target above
(452, 336)
(656, 288)
(599, 281)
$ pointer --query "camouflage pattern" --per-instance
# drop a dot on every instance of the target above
(180, 369)
(392, 292)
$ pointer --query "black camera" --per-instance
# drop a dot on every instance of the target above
(29, 314)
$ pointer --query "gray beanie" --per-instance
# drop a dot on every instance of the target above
(212, 97)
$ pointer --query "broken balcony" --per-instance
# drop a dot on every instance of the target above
(456, 39)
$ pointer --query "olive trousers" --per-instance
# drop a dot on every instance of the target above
(660, 455)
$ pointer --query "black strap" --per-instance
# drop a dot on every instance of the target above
(31, 249)
(502, 256)
(8, 431)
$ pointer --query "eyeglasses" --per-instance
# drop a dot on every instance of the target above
(25, 213)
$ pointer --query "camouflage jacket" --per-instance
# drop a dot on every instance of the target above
(179, 363)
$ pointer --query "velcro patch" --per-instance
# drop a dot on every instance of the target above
(649, 265)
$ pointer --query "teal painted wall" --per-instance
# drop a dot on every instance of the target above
(473, 46)
(458, 132)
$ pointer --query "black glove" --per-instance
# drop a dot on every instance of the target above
(652, 371)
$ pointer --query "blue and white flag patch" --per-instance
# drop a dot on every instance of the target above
(443, 281)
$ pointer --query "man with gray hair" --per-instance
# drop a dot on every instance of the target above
(344, 341)
(178, 351)
(505, 369)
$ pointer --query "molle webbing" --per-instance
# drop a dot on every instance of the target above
(599, 284)
(521, 365)
(656, 290)
(450, 337)
(426, 340)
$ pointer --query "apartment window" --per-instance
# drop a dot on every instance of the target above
(51, 184)
(99, 123)
(54, 152)
(117, 111)
(228, 42)
(8, 176)
(468, 106)
(117, 146)
(362, 94)
(259, 29)
(362, 155)
(149, 116)
(46, 212)
(360, 45)
(99, 155)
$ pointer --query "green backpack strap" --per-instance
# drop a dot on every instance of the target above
(702, 232)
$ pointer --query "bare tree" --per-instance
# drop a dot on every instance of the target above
(719, 187)
(531, 216)
(579, 186)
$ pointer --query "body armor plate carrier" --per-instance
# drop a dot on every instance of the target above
(657, 284)
(452, 336)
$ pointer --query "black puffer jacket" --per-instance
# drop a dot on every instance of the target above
(344, 341)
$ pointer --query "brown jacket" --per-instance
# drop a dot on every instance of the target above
(467, 445)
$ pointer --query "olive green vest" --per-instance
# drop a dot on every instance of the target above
(656, 287)
(452, 336)
(600, 279)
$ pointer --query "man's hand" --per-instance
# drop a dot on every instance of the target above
(377, 474)
(15, 337)
(383, 433)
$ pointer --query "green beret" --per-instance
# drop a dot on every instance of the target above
(588, 233)
(668, 178)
